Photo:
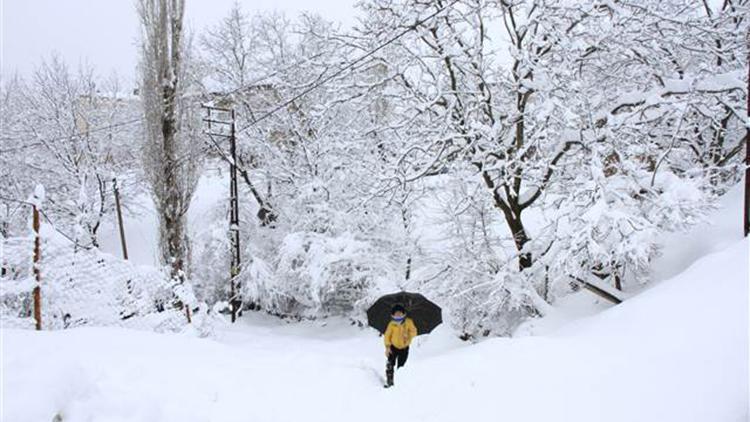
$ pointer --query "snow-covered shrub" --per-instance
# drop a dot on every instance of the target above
(484, 297)
(320, 274)
(212, 257)
(605, 228)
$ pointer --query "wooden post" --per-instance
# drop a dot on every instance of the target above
(119, 220)
(37, 292)
(746, 223)
(3, 234)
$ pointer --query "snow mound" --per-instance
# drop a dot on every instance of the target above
(723, 227)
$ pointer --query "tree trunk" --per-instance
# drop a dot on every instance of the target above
(520, 238)
(512, 214)
(171, 210)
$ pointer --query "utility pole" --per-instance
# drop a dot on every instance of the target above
(226, 129)
(234, 223)
(119, 219)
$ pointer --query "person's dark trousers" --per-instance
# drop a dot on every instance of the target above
(397, 358)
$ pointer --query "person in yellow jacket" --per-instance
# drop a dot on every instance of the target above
(398, 335)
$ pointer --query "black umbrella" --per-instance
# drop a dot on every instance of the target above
(426, 315)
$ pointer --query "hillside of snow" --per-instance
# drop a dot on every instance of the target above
(676, 352)
(722, 228)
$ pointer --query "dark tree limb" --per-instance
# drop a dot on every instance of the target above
(597, 290)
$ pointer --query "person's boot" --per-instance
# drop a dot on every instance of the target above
(388, 375)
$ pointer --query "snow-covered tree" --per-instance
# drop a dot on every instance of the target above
(73, 132)
(323, 249)
(171, 158)
(598, 115)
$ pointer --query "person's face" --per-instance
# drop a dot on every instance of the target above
(398, 314)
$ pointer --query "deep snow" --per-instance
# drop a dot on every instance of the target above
(722, 228)
(677, 352)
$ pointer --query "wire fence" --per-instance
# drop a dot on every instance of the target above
(81, 287)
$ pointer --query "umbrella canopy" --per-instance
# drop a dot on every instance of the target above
(425, 314)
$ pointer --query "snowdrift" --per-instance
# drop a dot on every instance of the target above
(677, 352)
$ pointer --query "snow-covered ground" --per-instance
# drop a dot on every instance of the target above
(722, 228)
(670, 354)
(677, 352)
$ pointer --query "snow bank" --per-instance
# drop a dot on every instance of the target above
(677, 352)
(724, 228)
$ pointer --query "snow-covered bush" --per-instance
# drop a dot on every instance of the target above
(316, 274)
(609, 227)
(211, 257)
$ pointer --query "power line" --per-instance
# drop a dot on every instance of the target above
(222, 95)
(268, 76)
(141, 119)
(276, 72)
(49, 220)
(70, 137)
(348, 66)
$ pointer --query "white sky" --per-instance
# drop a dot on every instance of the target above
(103, 33)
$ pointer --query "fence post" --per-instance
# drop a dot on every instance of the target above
(119, 219)
(37, 292)
(746, 223)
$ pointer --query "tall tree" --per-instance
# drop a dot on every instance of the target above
(169, 158)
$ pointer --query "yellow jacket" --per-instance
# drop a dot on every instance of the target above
(399, 335)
